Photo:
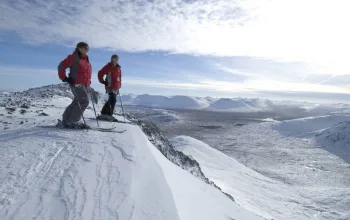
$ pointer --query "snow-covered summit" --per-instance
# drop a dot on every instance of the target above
(48, 173)
(241, 105)
(233, 104)
(183, 102)
(205, 103)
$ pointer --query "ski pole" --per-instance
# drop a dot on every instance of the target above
(121, 103)
(76, 97)
(93, 105)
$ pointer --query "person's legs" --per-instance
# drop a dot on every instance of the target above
(105, 108)
(113, 101)
(68, 112)
(79, 105)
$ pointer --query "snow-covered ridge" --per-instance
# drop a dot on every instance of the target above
(34, 95)
(309, 126)
(241, 104)
(336, 140)
(338, 134)
(172, 154)
(231, 104)
(37, 96)
(58, 174)
(205, 103)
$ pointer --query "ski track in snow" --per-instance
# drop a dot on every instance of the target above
(116, 144)
(55, 166)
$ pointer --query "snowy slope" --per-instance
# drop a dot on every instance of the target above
(337, 135)
(271, 197)
(308, 127)
(262, 195)
(336, 140)
(48, 173)
(298, 169)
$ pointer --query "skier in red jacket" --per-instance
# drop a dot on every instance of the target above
(112, 83)
(79, 79)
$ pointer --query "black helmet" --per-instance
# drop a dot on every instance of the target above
(82, 44)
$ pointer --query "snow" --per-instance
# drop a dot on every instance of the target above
(207, 103)
(336, 140)
(48, 173)
(250, 189)
(309, 126)
(297, 169)
(167, 102)
(230, 104)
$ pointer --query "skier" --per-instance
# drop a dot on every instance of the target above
(79, 79)
(112, 83)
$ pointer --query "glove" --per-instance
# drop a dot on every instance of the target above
(68, 80)
(105, 83)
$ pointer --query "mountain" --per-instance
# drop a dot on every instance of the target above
(241, 105)
(205, 103)
(233, 104)
(295, 169)
(49, 173)
(182, 102)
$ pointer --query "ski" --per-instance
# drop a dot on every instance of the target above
(108, 130)
(121, 122)
(91, 128)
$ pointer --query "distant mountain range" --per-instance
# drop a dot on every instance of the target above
(230, 104)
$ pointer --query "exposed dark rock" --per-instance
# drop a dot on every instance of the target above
(43, 114)
(239, 125)
(210, 126)
(25, 105)
(22, 111)
(11, 109)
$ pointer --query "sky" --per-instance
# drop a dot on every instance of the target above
(276, 49)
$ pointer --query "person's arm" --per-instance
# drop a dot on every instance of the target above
(120, 78)
(101, 74)
(66, 63)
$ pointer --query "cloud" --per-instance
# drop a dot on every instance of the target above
(25, 71)
(197, 82)
(234, 71)
(312, 31)
(249, 86)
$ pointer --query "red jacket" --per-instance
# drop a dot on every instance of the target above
(80, 69)
(114, 75)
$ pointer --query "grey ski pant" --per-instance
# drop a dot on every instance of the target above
(73, 112)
